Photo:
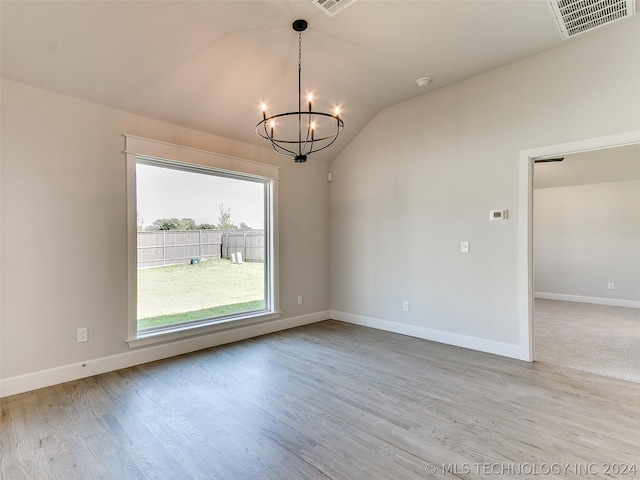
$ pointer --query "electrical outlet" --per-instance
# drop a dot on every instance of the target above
(405, 306)
(611, 285)
(299, 299)
(83, 334)
(464, 247)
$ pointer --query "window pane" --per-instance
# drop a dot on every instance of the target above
(201, 245)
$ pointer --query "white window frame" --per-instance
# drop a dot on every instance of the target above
(138, 148)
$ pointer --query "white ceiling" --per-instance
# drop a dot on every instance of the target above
(208, 65)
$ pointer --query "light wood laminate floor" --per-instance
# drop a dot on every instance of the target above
(326, 401)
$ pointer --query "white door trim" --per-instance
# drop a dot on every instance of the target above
(525, 219)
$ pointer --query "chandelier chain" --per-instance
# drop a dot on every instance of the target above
(301, 147)
(299, 51)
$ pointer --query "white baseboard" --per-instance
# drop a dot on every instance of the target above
(614, 302)
(66, 373)
(474, 343)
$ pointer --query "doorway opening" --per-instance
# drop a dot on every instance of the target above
(527, 281)
(586, 228)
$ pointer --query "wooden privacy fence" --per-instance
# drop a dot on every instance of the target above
(248, 243)
(171, 247)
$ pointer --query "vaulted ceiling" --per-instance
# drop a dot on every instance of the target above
(208, 65)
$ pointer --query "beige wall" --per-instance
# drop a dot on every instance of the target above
(586, 236)
(423, 175)
(63, 187)
(420, 178)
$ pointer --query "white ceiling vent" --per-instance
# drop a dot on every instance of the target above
(579, 16)
(331, 7)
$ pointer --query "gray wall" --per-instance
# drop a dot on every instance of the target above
(431, 167)
(434, 166)
(63, 167)
(586, 236)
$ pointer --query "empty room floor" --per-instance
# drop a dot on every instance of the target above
(326, 401)
(593, 338)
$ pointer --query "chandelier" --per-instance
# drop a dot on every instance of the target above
(315, 130)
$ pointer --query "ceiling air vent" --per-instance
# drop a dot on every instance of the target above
(331, 7)
(579, 16)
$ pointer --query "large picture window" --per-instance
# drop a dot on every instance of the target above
(204, 240)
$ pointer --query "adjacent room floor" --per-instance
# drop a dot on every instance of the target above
(593, 338)
(326, 401)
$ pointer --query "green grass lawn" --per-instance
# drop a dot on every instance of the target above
(180, 293)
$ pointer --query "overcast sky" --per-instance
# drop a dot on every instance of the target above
(169, 193)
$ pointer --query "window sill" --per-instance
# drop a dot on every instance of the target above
(180, 332)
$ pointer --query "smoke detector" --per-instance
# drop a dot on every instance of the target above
(331, 7)
(423, 82)
(580, 16)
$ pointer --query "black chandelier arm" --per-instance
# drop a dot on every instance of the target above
(263, 125)
(281, 150)
(302, 146)
(277, 147)
(301, 155)
(335, 137)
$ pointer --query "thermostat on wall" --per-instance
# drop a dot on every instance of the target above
(495, 215)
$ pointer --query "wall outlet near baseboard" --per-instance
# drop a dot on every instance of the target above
(406, 306)
(611, 285)
(299, 299)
